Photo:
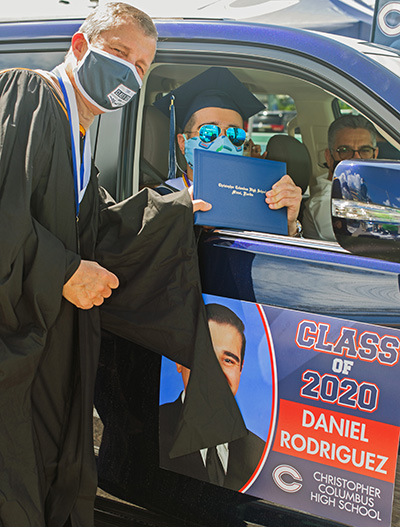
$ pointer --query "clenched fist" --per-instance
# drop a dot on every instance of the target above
(89, 285)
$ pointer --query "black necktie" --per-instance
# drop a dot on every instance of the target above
(214, 467)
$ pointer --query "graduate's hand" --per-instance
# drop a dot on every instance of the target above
(198, 204)
(89, 285)
(285, 193)
(255, 150)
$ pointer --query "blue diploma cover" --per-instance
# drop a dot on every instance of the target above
(236, 186)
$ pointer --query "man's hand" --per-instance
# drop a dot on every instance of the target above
(285, 193)
(89, 285)
(198, 204)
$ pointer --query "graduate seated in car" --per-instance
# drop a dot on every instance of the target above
(210, 111)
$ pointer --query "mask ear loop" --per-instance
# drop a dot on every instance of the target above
(179, 168)
(76, 64)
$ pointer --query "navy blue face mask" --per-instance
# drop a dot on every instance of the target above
(106, 81)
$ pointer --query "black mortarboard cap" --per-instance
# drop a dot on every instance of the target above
(215, 87)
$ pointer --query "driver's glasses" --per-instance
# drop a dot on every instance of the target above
(210, 132)
(365, 152)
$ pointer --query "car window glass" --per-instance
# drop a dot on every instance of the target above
(278, 117)
(36, 60)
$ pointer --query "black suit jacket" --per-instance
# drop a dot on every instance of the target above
(244, 453)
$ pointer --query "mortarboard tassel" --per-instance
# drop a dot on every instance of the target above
(172, 152)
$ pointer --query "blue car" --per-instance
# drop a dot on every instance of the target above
(319, 386)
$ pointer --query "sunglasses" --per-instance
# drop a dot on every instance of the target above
(365, 152)
(210, 132)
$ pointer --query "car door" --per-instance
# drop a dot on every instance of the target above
(279, 283)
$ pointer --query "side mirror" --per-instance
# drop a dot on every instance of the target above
(366, 208)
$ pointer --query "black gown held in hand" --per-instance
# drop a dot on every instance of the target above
(49, 348)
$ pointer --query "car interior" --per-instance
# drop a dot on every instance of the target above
(155, 126)
(301, 146)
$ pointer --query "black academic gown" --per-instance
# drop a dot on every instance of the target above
(49, 348)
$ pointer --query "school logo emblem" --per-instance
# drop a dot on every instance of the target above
(287, 478)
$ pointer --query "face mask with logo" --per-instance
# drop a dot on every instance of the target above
(106, 81)
(221, 144)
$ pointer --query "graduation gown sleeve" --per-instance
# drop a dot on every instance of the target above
(34, 262)
(148, 242)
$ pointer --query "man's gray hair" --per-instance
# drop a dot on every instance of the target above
(111, 14)
(350, 121)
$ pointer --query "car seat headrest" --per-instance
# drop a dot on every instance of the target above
(296, 156)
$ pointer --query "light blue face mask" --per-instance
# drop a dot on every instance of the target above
(107, 81)
(221, 144)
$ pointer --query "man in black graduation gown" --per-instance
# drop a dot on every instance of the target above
(65, 248)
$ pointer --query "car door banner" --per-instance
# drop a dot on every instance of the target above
(318, 398)
(386, 24)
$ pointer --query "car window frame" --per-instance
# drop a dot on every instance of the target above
(279, 61)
